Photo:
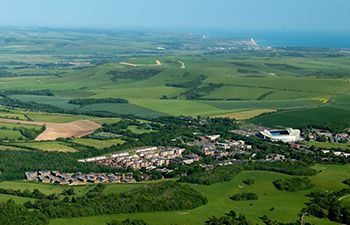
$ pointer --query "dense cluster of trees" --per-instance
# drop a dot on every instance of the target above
(229, 218)
(207, 177)
(226, 173)
(198, 92)
(13, 214)
(134, 74)
(334, 127)
(245, 196)
(293, 184)
(90, 101)
(163, 196)
(290, 167)
(26, 193)
(35, 107)
(31, 134)
(347, 181)
(269, 221)
(195, 82)
(327, 205)
(195, 88)
(122, 126)
(13, 164)
(248, 181)
(45, 92)
(127, 222)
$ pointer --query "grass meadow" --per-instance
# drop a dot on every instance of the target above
(286, 205)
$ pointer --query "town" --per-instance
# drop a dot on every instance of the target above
(225, 151)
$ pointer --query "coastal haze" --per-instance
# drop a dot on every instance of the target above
(150, 112)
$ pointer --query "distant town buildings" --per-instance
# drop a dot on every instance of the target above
(211, 145)
(326, 136)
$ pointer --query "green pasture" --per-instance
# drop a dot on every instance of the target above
(54, 118)
(11, 148)
(17, 199)
(98, 143)
(236, 93)
(248, 83)
(286, 205)
(329, 145)
(336, 112)
(138, 130)
(60, 102)
(11, 134)
(10, 115)
(50, 146)
(123, 109)
(17, 126)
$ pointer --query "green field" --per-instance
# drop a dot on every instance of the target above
(296, 86)
(286, 205)
(50, 146)
(329, 145)
(11, 134)
(17, 126)
(98, 143)
(17, 199)
(4, 148)
(337, 112)
(54, 118)
(55, 101)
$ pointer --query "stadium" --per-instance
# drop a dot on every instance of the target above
(287, 135)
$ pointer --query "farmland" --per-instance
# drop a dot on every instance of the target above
(209, 84)
(337, 112)
(69, 96)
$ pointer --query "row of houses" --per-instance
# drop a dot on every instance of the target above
(55, 177)
(149, 157)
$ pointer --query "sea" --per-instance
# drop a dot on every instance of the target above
(321, 39)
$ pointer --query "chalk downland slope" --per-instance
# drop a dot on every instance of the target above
(74, 129)
(53, 131)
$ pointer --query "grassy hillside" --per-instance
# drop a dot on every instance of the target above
(286, 205)
(335, 113)
(207, 85)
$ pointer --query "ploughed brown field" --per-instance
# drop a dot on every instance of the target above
(53, 131)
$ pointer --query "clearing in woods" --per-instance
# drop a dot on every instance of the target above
(60, 130)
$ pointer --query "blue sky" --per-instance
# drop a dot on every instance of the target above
(308, 15)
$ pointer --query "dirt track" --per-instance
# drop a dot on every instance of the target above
(60, 130)
(158, 63)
